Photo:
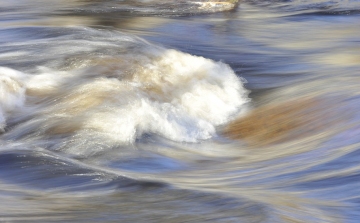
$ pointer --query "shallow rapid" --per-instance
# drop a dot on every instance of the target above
(179, 111)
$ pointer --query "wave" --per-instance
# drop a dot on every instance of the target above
(101, 99)
(12, 93)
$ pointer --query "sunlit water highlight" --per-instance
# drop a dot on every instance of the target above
(139, 112)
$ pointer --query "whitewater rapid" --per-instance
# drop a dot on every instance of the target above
(138, 111)
(104, 100)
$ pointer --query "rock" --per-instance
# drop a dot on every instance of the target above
(163, 7)
(217, 5)
(281, 122)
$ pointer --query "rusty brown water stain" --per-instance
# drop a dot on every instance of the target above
(282, 122)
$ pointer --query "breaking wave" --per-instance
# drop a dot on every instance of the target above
(109, 99)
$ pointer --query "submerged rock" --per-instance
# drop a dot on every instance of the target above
(179, 4)
(282, 122)
(211, 5)
(157, 7)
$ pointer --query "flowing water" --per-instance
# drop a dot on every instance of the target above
(165, 111)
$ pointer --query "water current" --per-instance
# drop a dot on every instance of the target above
(180, 111)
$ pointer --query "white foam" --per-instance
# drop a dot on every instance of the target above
(165, 92)
(12, 93)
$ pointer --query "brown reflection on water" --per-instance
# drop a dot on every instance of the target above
(290, 120)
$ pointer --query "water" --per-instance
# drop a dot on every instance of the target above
(156, 111)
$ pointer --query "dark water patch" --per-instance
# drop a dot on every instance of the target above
(149, 164)
(42, 171)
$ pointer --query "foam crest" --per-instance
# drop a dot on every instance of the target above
(12, 93)
(118, 99)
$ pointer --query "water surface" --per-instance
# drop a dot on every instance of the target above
(122, 111)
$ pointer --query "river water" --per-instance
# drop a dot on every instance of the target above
(160, 111)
